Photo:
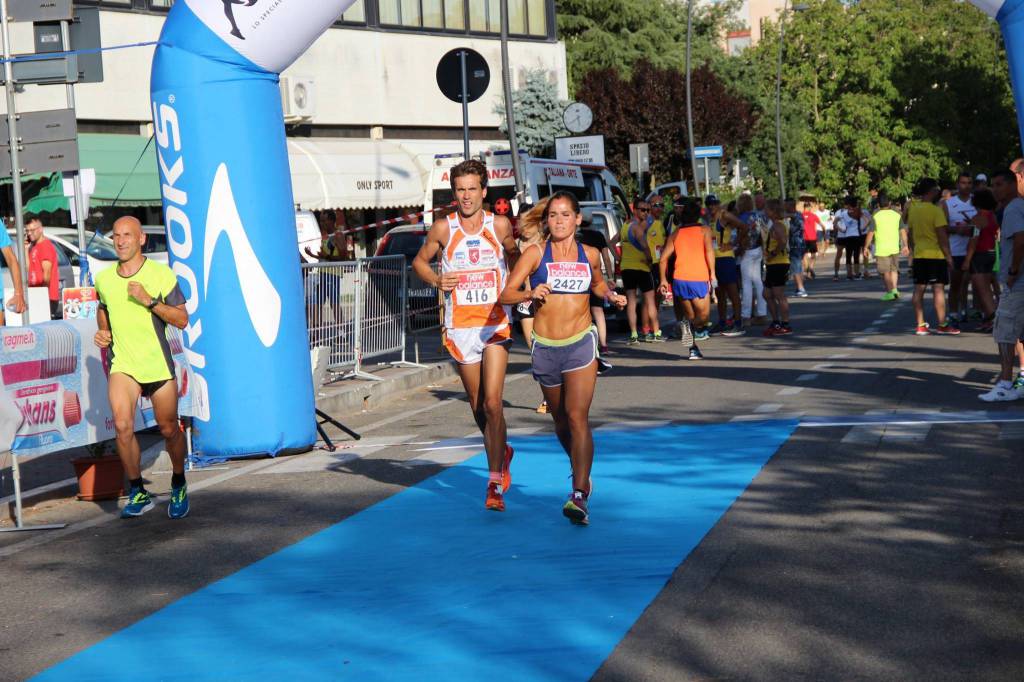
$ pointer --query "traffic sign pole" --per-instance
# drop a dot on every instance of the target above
(12, 128)
(465, 107)
(83, 259)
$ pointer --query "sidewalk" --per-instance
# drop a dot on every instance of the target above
(52, 476)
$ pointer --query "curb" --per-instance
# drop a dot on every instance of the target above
(358, 394)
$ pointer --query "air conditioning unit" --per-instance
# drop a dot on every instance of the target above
(298, 99)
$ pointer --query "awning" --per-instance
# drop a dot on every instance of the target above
(114, 157)
(340, 173)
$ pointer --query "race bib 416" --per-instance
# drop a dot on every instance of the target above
(477, 288)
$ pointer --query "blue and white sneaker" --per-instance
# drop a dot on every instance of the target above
(701, 335)
(139, 502)
(178, 506)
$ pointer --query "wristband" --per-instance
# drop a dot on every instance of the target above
(152, 304)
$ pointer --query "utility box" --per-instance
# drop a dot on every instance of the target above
(84, 34)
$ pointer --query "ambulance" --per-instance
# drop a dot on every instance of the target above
(592, 185)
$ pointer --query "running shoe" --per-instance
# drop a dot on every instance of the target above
(542, 408)
(701, 335)
(975, 314)
(986, 327)
(734, 330)
(721, 327)
(605, 350)
(178, 506)
(801, 293)
(1018, 383)
(647, 338)
(495, 501)
(633, 340)
(890, 296)
(784, 330)
(695, 354)
(923, 330)
(506, 468)
(656, 337)
(603, 366)
(686, 333)
(772, 330)
(947, 329)
(139, 502)
(1002, 392)
(575, 509)
(835, 278)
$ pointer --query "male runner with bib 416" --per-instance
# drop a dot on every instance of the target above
(473, 246)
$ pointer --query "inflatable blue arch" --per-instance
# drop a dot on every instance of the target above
(227, 199)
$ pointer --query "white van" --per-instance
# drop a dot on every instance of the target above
(542, 177)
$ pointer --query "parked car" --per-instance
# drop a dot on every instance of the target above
(406, 240)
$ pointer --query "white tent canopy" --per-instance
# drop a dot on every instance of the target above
(354, 174)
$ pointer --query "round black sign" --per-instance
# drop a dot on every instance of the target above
(449, 75)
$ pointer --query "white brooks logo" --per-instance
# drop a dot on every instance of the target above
(261, 298)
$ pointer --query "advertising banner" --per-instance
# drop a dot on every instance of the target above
(56, 378)
(80, 303)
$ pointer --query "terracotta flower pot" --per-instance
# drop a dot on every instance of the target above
(99, 478)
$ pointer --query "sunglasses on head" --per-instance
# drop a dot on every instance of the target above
(645, 210)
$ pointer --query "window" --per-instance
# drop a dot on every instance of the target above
(455, 14)
(400, 13)
(356, 14)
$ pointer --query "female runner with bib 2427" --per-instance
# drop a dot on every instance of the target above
(562, 275)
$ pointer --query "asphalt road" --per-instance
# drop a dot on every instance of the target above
(873, 551)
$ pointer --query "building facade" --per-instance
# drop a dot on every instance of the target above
(369, 81)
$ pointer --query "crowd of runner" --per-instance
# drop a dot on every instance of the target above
(739, 257)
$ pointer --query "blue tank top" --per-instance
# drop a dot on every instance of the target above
(564, 277)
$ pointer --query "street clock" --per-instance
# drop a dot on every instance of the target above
(578, 117)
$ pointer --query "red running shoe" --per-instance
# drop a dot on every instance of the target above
(947, 329)
(506, 469)
(495, 502)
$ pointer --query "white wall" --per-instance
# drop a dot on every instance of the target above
(361, 77)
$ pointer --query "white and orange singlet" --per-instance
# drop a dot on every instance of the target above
(473, 317)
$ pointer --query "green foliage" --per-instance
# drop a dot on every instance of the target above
(876, 94)
(617, 34)
(538, 114)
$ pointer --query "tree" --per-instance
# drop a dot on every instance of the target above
(649, 107)
(618, 34)
(877, 94)
(538, 113)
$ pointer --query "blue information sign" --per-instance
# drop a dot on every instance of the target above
(708, 152)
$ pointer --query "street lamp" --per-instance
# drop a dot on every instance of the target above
(799, 7)
(689, 108)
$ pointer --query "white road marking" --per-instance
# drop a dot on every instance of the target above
(861, 339)
(807, 377)
(838, 356)
(792, 390)
(871, 330)
(1011, 431)
(768, 408)
(824, 365)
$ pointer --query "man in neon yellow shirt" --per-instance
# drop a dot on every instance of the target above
(138, 299)
(932, 261)
(889, 234)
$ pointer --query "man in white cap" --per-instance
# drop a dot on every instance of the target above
(980, 181)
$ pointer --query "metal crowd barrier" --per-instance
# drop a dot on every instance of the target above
(357, 309)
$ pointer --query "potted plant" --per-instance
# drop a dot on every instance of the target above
(100, 475)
